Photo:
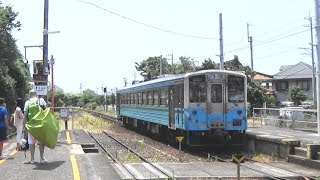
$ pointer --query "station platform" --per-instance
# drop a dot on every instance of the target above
(275, 133)
(66, 161)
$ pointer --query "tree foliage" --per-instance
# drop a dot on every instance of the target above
(150, 67)
(296, 95)
(112, 99)
(186, 64)
(14, 74)
(208, 64)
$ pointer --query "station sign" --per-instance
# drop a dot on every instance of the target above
(64, 113)
(40, 77)
(42, 90)
(41, 83)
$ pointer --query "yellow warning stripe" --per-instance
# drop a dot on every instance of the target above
(11, 154)
(68, 137)
(74, 164)
(75, 169)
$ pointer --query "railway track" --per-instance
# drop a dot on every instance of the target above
(155, 172)
(283, 174)
(258, 169)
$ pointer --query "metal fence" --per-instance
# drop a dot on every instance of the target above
(292, 118)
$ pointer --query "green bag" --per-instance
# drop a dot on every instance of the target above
(33, 109)
(44, 127)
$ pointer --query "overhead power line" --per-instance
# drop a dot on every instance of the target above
(276, 39)
(267, 41)
(148, 25)
(273, 54)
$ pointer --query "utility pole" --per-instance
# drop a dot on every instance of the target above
(45, 37)
(250, 41)
(171, 58)
(161, 71)
(313, 65)
(45, 43)
(52, 61)
(221, 43)
(317, 10)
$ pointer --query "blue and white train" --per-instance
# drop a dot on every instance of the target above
(206, 107)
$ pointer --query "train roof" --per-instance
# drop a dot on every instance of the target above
(172, 79)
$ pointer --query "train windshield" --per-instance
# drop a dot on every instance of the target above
(236, 88)
(197, 89)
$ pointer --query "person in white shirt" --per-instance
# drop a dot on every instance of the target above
(18, 118)
(31, 140)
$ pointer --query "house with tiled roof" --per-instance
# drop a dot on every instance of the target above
(293, 75)
(264, 80)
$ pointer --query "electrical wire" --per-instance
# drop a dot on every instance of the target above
(274, 54)
(147, 25)
(267, 41)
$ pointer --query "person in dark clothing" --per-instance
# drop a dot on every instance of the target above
(4, 125)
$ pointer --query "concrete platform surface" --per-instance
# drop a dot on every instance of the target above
(66, 161)
(285, 133)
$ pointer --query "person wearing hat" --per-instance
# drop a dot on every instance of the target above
(4, 125)
(31, 140)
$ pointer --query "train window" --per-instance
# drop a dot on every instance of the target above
(179, 96)
(150, 94)
(139, 98)
(144, 98)
(197, 92)
(163, 97)
(155, 98)
(121, 99)
(216, 93)
(131, 98)
(236, 88)
(134, 98)
(126, 99)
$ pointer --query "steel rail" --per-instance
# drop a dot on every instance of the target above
(109, 153)
(138, 154)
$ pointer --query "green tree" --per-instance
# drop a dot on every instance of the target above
(14, 74)
(208, 64)
(59, 98)
(112, 99)
(72, 99)
(296, 95)
(151, 67)
(269, 99)
(186, 64)
(255, 94)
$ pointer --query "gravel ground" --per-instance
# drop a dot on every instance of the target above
(150, 149)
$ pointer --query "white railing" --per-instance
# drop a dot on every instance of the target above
(291, 117)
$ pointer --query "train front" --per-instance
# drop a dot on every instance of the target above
(215, 108)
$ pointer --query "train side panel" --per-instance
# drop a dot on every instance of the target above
(158, 115)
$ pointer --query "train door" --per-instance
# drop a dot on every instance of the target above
(216, 105)
(178, 104)
(171, 107)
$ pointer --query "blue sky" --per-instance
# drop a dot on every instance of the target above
(98, 48)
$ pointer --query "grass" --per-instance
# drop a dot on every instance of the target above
(85, 121)
(91, 123)
(263, 158)
(131, 157)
